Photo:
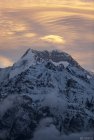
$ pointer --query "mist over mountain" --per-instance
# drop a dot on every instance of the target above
(46, 96)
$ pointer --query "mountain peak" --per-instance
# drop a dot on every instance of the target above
(23, 64)
(54, 55)
(34, 57)
(45, 91)
(28, 53)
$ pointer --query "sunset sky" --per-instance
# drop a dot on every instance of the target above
(67, 25)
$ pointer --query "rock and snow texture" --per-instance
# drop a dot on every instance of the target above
(24, 63)
(45, 90)
(32, 57)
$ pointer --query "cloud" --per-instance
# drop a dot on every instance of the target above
(68, 29)
(5, 62)
(29, 35)
(54, 39)
(53, 3)
(47, 131)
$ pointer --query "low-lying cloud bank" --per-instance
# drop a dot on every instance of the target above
(50, 134)
(47, 131)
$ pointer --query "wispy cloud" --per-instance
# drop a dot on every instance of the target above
(69, 28)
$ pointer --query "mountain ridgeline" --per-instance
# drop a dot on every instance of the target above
(45, 90)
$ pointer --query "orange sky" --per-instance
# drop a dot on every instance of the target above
(82, 4)
(50, 24)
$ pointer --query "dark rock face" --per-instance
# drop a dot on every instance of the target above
(45, 89)
(54, 56)
(18, 120)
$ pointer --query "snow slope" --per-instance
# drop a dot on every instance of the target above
(45, 90)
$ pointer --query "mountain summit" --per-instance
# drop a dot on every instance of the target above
(34, 57)
(45, 92)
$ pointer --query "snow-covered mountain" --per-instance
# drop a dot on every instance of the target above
(45, 91)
